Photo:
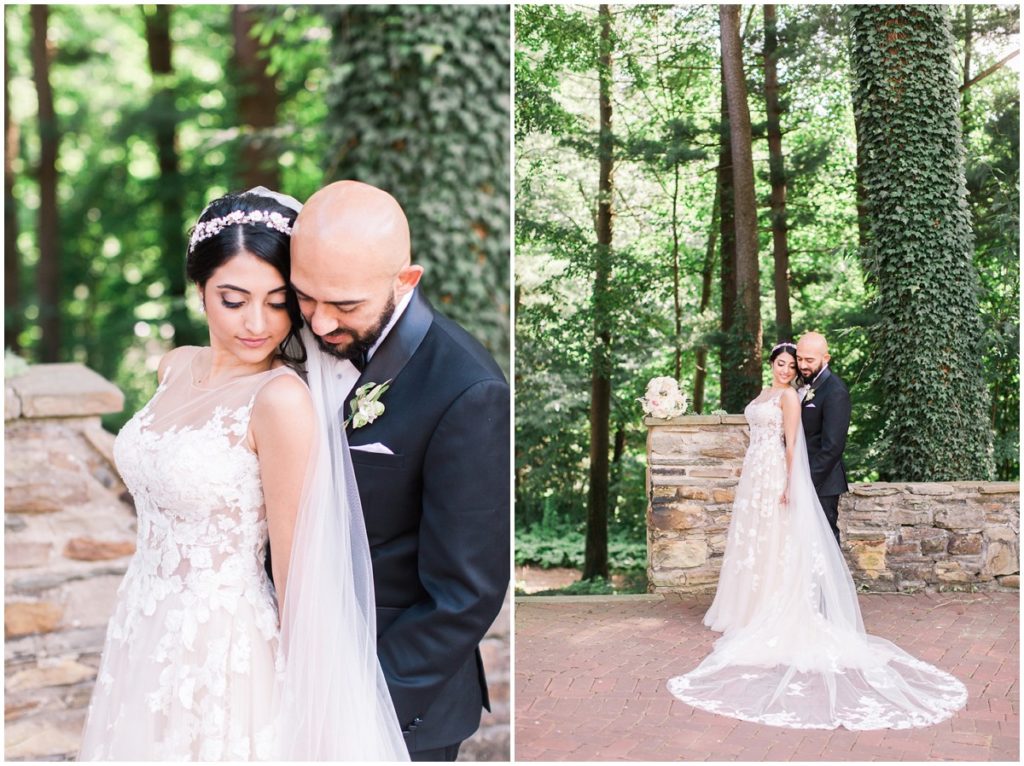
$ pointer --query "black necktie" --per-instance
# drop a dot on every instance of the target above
(359, 361)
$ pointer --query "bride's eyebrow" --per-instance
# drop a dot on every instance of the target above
(247, 292)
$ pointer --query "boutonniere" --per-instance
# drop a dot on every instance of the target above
(809, 395)
(366, 406)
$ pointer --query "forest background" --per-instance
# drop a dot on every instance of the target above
(122, 122)
(627, 269)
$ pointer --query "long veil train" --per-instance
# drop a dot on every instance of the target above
(804, 659)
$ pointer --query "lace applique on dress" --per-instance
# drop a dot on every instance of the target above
(191, 650)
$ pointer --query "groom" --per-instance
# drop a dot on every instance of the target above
(825, 413)
(432, 468)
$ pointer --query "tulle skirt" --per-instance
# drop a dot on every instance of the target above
(794, 651)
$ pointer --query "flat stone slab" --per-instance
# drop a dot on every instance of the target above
(61, 390)
(591, 673)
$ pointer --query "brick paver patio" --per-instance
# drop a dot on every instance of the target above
(590, 682)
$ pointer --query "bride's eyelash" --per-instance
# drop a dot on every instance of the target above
(230, 304)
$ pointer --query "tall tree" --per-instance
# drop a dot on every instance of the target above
(257, 102)
(707, 276)
(746, 326)
(12, 259)
(414, 97)
(920, 248)
(730, 391)
(169, 192)
(777, 175)
(48, 270)
(596, 553)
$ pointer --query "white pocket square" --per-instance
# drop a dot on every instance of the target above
(375, 447)
(808, 406)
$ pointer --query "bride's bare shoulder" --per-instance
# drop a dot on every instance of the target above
(179, 355)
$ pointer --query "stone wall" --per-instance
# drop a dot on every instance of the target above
(896, 537)
(69, 532)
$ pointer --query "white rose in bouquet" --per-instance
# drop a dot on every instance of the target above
(663, 399)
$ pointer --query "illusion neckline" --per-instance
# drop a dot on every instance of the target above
(228, 382)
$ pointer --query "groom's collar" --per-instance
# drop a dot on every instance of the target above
(395, 316)
(397, 347)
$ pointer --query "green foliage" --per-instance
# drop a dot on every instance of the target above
(562, 546)
(418, 101)
(920, 248)
(116, 272)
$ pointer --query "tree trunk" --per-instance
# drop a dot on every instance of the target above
(929, 329)
(48, 270)
(777, 173)
(747, 323)
(676, 302)
(170, 188)
(707, 274)
(965, 98)
(12, 259)
(618, 450)
(595, 563)
(727, 350)
(257, 103)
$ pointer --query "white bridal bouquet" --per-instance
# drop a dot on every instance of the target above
(663, 399)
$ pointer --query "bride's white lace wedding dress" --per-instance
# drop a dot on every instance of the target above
(794, 651)
(194, 666)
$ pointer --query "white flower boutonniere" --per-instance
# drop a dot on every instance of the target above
(809, 395)
(366, 406)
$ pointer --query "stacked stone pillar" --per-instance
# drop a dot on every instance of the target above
(69, 533)
(896, 536)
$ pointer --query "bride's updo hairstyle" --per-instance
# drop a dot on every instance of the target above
(237, 223)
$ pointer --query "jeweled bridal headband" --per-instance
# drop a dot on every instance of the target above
(207, 229)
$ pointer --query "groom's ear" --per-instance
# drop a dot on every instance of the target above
(408, 278)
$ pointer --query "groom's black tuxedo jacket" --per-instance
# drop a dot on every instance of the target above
(826, 422)
(437, 517)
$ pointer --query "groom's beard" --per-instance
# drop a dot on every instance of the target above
(361, 343)
(809, 375)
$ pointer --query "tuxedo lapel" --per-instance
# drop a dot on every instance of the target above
(819, 381)
(398, 347)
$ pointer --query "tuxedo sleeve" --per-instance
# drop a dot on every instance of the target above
(835, 424)
(463, 549)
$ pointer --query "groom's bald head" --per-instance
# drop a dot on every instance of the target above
(351, 264)
(811, 354)
(354, 226)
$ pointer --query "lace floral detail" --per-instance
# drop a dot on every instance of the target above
(191, 650)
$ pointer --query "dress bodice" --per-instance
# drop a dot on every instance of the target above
(764, 416)
(202, 526)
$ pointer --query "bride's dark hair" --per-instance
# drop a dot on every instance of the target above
(265, 242)
(783, 347)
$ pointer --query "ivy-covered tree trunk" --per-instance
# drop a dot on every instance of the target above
(169, 186)
(777, 174)
(746, 326)
(12, 260)
(257, 103)
(419, 106)
(48, 269)
(920, 246)
(595, 559)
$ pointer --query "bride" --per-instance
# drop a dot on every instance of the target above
(205, 658)
(794, 651)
